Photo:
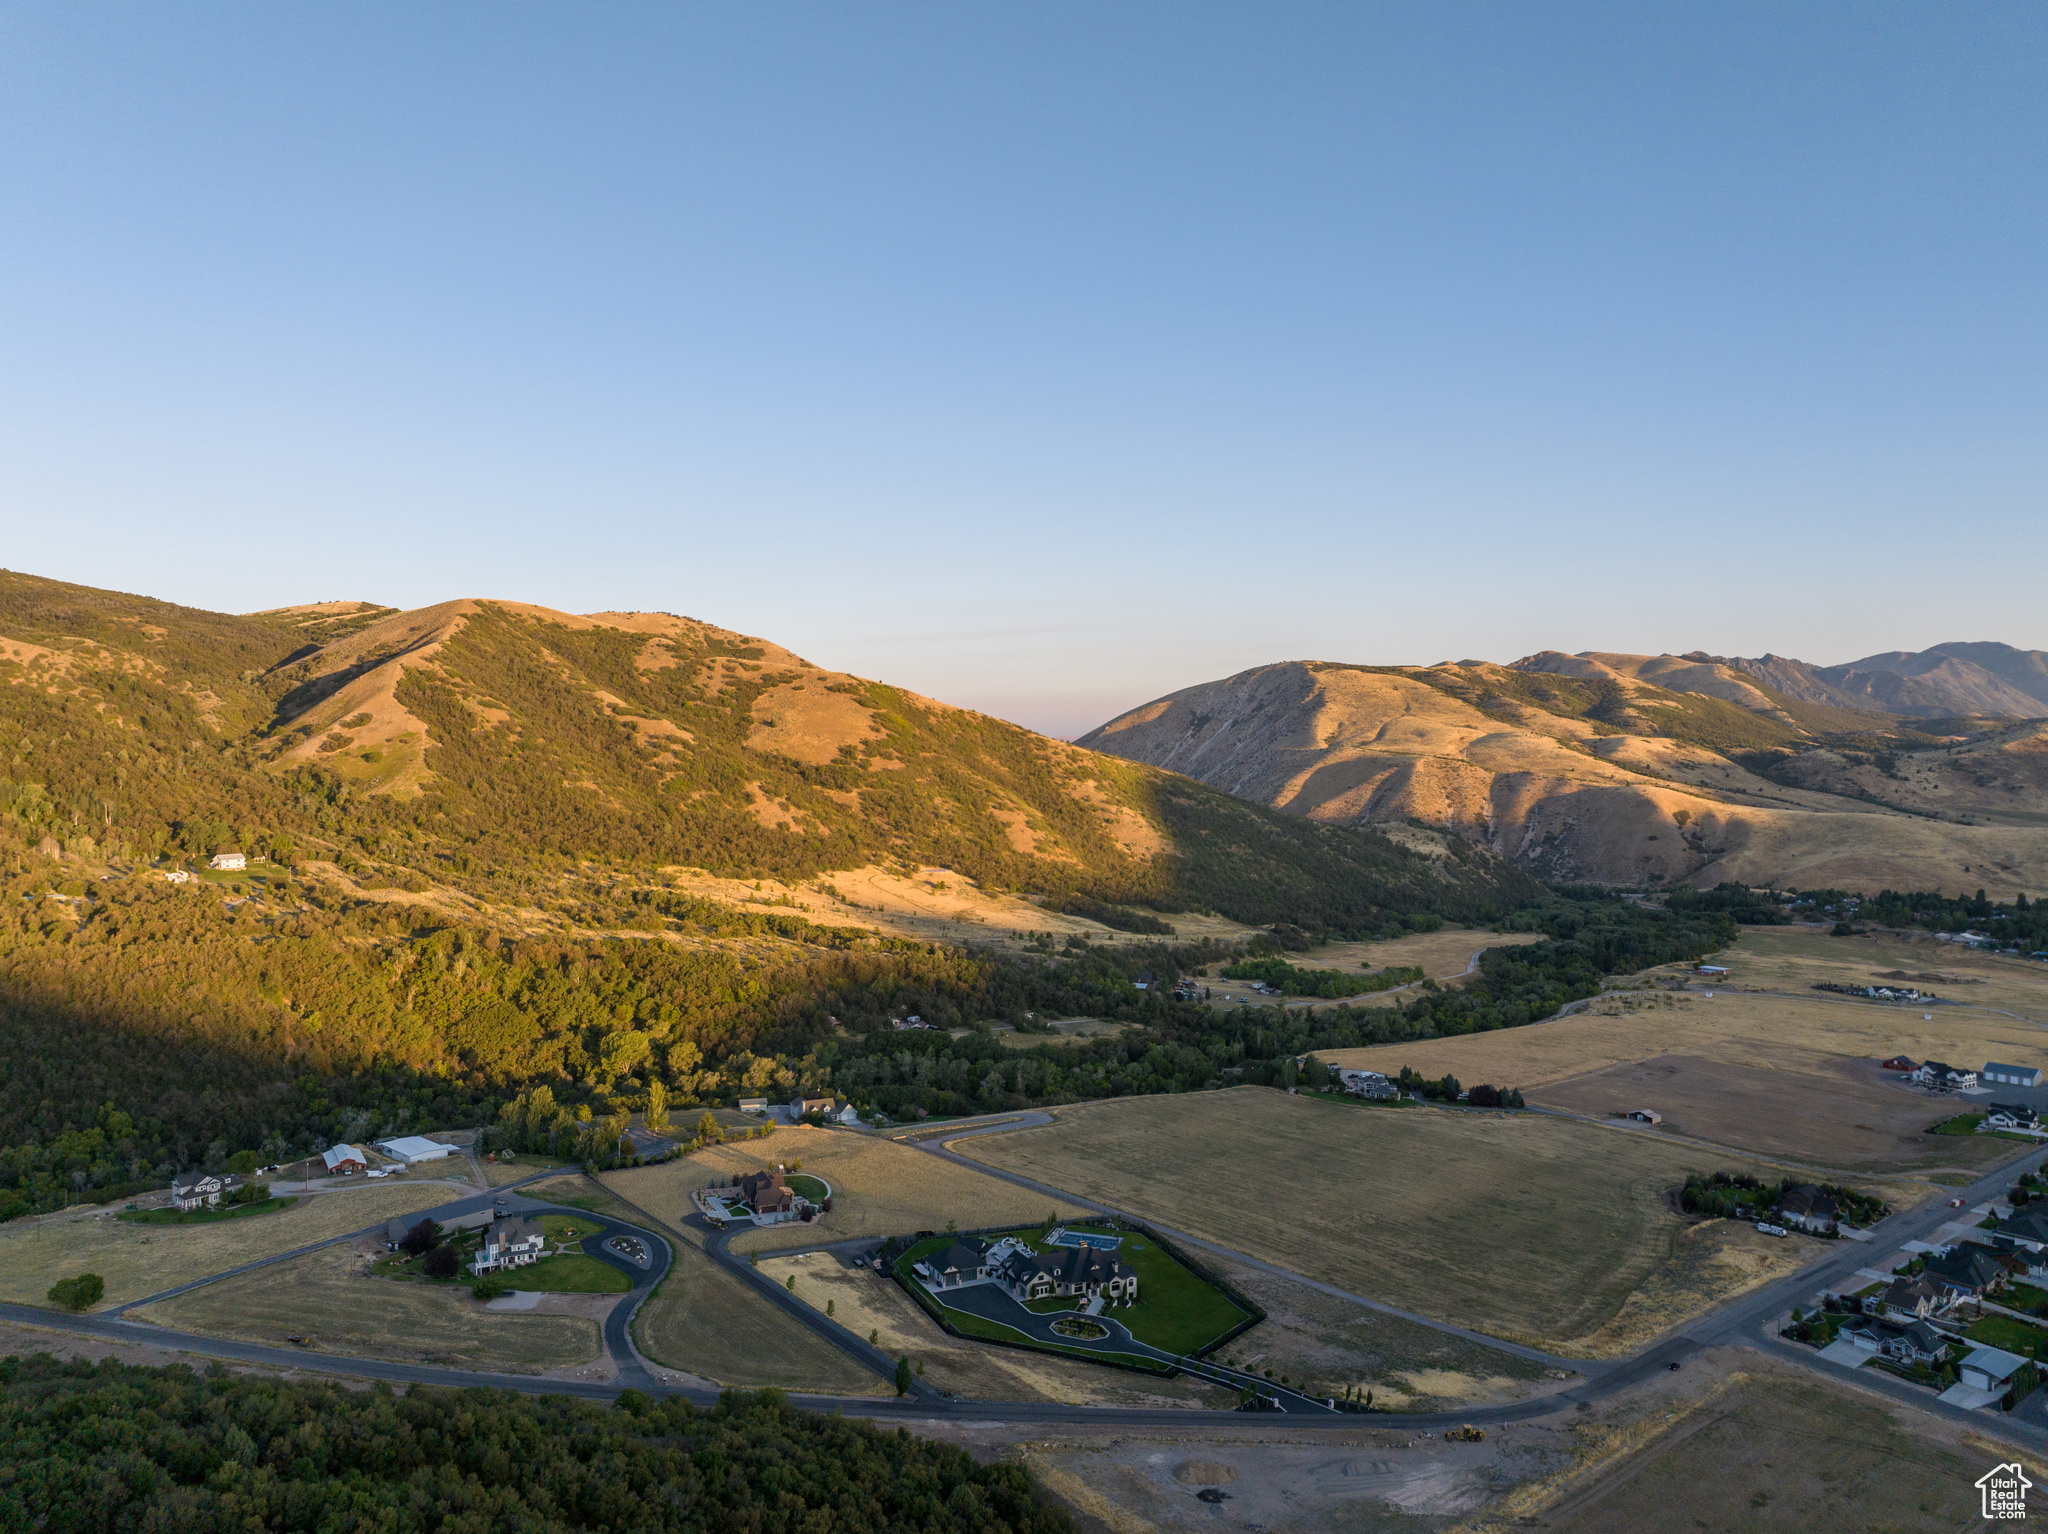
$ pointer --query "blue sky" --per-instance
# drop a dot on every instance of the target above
(1045, 358)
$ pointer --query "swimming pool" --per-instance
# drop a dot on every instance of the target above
(1101, 1243)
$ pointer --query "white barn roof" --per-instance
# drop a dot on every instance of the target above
(415, 1148)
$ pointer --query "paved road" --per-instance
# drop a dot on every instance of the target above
(1750, 1320)
(440, 1212)
(856, 1347)
(991, 1302)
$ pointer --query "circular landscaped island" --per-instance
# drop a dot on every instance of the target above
(1080, 1328)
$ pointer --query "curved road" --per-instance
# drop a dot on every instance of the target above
(1750, 1320)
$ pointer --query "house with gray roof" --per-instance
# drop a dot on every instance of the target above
(198, 1190)
(1969, 1270)
(510, 1243)
(1084, 1271)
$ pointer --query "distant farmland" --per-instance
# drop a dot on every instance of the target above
(1532, 1228)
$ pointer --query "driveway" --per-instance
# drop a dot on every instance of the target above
(992, 1302)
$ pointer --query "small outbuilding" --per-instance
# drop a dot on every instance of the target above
(1646, 1115)
(345, 1160)
(753, 1105)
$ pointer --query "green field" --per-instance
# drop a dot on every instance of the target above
(206, 1216)
(1176, 1312)
(2004, 1332)
(806, 1186)
(569, 1273)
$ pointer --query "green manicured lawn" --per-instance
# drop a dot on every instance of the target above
(569, 1273)
(1176, 1311)
(805, 1185)
(1052, 1306)
(206, 1216)
(2024, 1297)
(2014, 1336)
(1961, 1124)
(559, 1227)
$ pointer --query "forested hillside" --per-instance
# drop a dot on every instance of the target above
(447, 810)
(495, 746)
(92, 1448)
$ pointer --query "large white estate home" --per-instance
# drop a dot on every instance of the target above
(1029, 1275)
(509, 1243)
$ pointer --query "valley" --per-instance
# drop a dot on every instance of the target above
(628, 905)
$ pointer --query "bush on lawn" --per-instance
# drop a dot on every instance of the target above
(442, 1263)
(419, 1239)
(490, 1286)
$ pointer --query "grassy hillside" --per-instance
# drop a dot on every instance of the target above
(456, 816)
(1635, 770)
(476, 742)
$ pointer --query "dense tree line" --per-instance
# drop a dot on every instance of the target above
(1294, 980)
(2020, 923)
(1751, 908)
(96, 1447)
(155, 1030)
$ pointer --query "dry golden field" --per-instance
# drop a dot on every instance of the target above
(869, 1304)
(1792, 1074)
(326, 1297)
(1790, 958)
(1440, 955)
(136, 1260)
(1531, 1228)
(1769, 1450)
(879, 1188)
(1337, 1346)
(707, 1322)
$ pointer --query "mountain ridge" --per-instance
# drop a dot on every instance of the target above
(473, 738)
(1632, 769)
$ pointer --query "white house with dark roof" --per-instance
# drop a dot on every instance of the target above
(512, 1242)
(229, 862)
(1940, 1077)
(197, 1190)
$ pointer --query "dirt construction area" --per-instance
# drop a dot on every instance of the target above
(1535, 1229)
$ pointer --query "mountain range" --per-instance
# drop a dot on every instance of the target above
(1909, 770)
(486, 746)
